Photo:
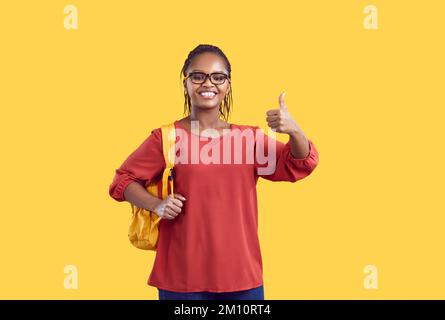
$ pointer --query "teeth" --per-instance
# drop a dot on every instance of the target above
(207, 94)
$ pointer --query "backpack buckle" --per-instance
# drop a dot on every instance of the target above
(171, 176)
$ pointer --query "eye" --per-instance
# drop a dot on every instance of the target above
(198, 76)
(218, 76)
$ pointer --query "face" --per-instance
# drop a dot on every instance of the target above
(208, 63)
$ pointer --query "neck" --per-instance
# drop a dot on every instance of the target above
(207, 118)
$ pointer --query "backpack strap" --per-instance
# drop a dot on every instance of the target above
(169, 150)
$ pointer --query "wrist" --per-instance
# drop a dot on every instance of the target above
(152, 204)
(295, 130)
(295, 133)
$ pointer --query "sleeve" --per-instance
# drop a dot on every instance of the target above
(143, 165)
(275, 162)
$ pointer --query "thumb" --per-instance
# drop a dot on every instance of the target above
(281, 100)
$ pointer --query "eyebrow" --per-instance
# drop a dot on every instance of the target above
(197, 70)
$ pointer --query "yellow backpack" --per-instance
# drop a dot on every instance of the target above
(144, 227)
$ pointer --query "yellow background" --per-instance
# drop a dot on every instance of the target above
(75, 103)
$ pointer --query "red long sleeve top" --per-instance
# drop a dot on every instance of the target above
(212, 245)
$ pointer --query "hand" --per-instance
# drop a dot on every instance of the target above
(280, 120)
(170, 207)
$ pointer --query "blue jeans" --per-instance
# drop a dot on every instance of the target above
(250, 294)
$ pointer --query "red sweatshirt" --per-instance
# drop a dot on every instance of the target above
(212, 245)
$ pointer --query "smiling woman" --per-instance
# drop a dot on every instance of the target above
(208, 246)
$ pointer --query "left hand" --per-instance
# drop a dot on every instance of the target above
(280, 120)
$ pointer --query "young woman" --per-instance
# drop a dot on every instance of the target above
(208, 245)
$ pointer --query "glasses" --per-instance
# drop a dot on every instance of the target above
(217, 78)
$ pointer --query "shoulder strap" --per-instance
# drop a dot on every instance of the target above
(168, 146)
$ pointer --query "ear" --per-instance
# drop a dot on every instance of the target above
(229, 88)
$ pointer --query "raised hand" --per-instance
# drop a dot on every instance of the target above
(280, 119)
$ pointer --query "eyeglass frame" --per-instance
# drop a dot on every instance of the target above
(208, 75)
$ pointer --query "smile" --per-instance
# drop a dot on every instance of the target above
(208, 94)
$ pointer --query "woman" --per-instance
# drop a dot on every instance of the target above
(208, 245)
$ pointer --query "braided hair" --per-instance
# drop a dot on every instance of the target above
(226, 105)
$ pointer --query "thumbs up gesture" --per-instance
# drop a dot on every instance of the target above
(280, 119)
